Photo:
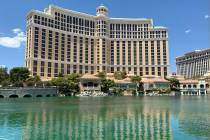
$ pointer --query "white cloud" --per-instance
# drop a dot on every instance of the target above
(2, 66)
(206, 16)
(188, 31)
(13, 42)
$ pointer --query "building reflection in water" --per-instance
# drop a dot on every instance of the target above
(111, 122)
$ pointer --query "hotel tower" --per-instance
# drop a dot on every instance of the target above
(194, 64)
(66, 41)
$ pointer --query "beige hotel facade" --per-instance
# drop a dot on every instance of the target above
(66, 41)
(194, 64)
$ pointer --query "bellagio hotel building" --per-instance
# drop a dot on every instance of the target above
(66, 41)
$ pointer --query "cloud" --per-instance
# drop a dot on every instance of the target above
(206, 16)
(13, 42)
(2, 66)
(188, 31)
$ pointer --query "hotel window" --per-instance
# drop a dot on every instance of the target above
(134, 53)
(62, 69)
(49, 69)
(36, 19)
(62, 47)
(152, 53)
(55, 69)
(135, 70)
(112, 52)
(56, 45)
(164, 53)
(43, 44)
(42, 68)
(104, 68)
(146, 53)
(118, 68)
(68, 69)
(152, 34)
(74, 68)
(75, 49)
(34, 68)
(104, 51)
(50, 44)
(92, 69)
(158, 52)
(81, 50)
(92, 51)
(153, 70)
(141, 71)
(86, 50)
(86, 69)
(118, 53)
(147, 70)
(159, 71)
(80, 69)
(157, 34)
(36, 42)
(112, 69)
(165, 71)
(140, 52)
(129, 52)
(164, 34)
(98, 51)
(129, 69)
(68, 48)
(123, 53)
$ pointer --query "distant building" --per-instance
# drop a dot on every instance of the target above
(207, 79)
(155, 82)
(65, 41)
(191, 87)
(193, 64)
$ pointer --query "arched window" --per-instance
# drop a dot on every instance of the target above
(201, 86)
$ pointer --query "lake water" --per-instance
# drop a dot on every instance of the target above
(106, 118)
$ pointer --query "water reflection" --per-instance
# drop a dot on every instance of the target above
(100, 119)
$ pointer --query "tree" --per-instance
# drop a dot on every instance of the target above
(174, 84)
(117, 91)
(67, 84)
(3, 74)
(106, 85)
(137, 80)
(4, 77)
(119, 75)
(62, 84)
(101, 75)
(73, 80)
(60, 74)
(19, 75)
(74, 77)
(34, 81)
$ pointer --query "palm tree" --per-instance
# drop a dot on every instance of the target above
(137, 80)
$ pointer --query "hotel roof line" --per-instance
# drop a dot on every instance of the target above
(93, 16)
(193, 52)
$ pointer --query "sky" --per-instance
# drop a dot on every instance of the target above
(188, 22)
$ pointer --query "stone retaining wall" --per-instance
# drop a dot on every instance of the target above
(28, 92)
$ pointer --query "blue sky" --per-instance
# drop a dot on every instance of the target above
(188, 22)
